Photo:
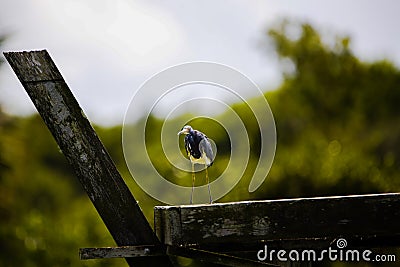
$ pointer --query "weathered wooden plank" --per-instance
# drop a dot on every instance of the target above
(309, 220)
(121, 252)
(214, 257)
(149, 251)
(84, 151)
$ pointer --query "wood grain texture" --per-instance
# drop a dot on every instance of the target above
(215, 257)
(297, 221)
(121, 252)
(83, 149)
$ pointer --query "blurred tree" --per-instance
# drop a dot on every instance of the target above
(45, 217)
(3, 165)
(337, 118)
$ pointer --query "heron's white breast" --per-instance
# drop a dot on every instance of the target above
(203, 160)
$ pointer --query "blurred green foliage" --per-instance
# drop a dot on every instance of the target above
(337, 121)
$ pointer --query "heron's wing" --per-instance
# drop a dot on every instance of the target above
(205, 147)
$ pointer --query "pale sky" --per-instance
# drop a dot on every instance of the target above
(106, 49)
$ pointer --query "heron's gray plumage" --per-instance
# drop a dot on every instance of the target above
(197, 146)
(206, 149)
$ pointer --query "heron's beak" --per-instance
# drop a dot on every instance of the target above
(184, 131)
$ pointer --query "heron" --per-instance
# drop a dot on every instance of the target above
(199, 151)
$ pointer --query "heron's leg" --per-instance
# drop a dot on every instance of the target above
(193, 178)
(208, 183)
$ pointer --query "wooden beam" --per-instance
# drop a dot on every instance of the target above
(121, 252)
(215, 257)
(150, 251)
(302, 221)
(84, 151)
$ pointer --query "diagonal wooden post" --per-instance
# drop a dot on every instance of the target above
(85, 152)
